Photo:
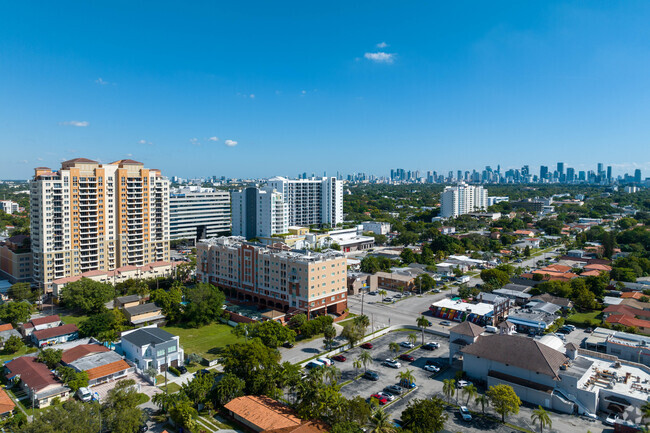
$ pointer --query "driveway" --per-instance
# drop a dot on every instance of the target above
(144, 386)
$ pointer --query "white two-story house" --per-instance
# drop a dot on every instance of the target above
(152, 347)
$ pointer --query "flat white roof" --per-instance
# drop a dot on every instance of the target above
(482, 309)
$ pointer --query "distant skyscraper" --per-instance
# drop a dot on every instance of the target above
(637, 175)
(570, 174)
(560, 168)
(543, 172)
(600, 168)
(609, 173)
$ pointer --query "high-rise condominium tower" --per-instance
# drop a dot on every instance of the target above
(90, 216)
(462, 199)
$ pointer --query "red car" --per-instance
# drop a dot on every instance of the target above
(382, 400)
(366, 346)
(339, 358)
(406, 357)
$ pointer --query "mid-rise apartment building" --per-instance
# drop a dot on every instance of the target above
(16, 259)
(462, 199)
(198, 213)
(90, 216)
(9, 206)
(311, 201)
(313, 283)
(259, 212)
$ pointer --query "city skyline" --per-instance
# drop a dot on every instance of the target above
(196, 91)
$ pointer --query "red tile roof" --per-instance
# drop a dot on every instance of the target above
(263, 412)
(6, 327)
(45, 320)
(57, 331)
(628, 321)
(80, 351)
(598, 267)
(34, 374)
(105, 370)
(6, 403)
(633, 295)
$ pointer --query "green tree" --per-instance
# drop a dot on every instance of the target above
(329, 333)
(366, 358)
(408, 256)
(50, 357)
(71, 416)
(254, 363)
(352, 333)
(483, 401)
(170, 302)
(412, 338)
(183, 414)
(382, 293)
(449, 388)
(204, 302)
(425, 282)
(297, 321)
(86, 295)
(504, 400)
(21, 292)
(13, 344)
(495, 277)
(272, 333)
(470, 392)
(362, 322)
(120, 410)
(424, 416)
(406, 377)
(15, 312)
(541, 417)
(106, 325)
(527, 251)
(394, 347)
(423, 323)
(380, 422)
(198, 389)
(227, 388)
(73, 378)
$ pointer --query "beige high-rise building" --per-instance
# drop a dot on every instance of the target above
(90, 216)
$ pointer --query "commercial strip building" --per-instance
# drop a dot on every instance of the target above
(480, 313)
(563, 378)
(90, 216)
(198, 213)
(285, 280)
(462, 199)
(625, 346)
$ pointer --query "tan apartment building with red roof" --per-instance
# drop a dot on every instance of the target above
(89, 216)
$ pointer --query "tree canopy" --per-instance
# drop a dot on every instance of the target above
(86, 295)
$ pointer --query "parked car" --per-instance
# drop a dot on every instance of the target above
(394, 389)
(462, 384)
(182, 369)
(429, 346)
(371, 375)
(432, 368)
(464, 413)
(373, 293)
(445, 323)
(406, 357)
(407, 344)
(436, 290)
(388, 299)
(397, 295)
(314, 364)
(611, 419)
(339, 358)
(366, 346)
(202, 372)
(589, 330)
(386, 395)
(382, 400)
(560, 336)
(325, 361)
(84, 394)
(287, 345)
(391, 363)
(571, 327)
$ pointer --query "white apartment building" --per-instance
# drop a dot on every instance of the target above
(378, 228)
(198, 213)
(90, 216)
(311, 201)
(9, 206)
(259, 212)
(462, 199)
(313, 283)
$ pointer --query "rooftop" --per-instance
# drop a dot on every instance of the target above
(480, 309)
(6, 403)
(45, 320)
(57, 331)
(95, 360)
(143, 336)
(80, 351)
(107, 369)
(263, 412)
(149, 307)
(467, 328)
(34, 374)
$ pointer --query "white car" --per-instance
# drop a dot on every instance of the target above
(84, 394)
(407, 344)
(431, 368)
(388, 396)
(325, 361)
(464, 412)
(391, 363)
(611, 419)
(462, 383)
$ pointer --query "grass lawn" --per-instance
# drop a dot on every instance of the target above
(73, 319)
(203, 340)
(578, 319)
(142, 398)
(23, 351)
(171, 387)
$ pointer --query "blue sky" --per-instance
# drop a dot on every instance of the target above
(253, 89)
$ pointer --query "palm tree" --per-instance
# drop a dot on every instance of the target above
(380, 422)
(469, 391)
(362, 322)
(383, 293)
(423, 322)
(356, 364)
(406, 377)
(449, 388)
(394, 347)
(483, 401)
(332, 374)
(366, 358)
(329, 333)
(412, 337)
(542, 417)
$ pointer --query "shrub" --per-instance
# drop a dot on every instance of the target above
(174, 370)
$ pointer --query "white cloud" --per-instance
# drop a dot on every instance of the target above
(252, 96)
(39, 159)
(142, 142)
(382, 45)
(380, 57)
(213, 139)
(303, 93)
(101, 81)
(129, 155)
(230, 143)
(80, 123)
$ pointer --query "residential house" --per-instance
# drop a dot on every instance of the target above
(144, 314)
(564, 303)
(6, 331)
(127, 301)
(7, 405)
(56, 335)
(152, 347)
(40, 323)
(101, 364)
(36, 380)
